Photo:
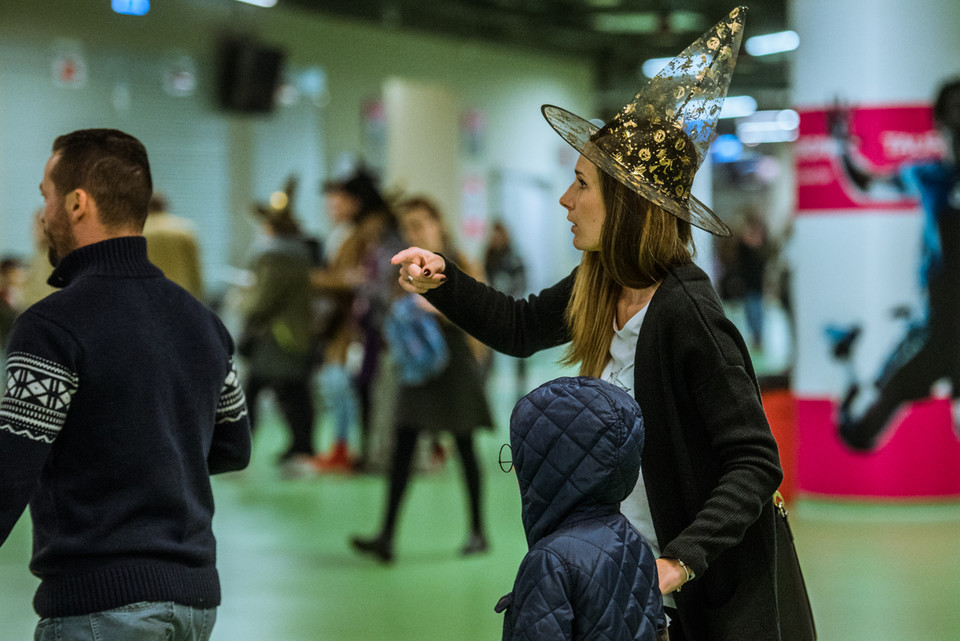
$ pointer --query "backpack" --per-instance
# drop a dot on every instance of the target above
(416, 341)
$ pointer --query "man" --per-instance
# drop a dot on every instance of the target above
(121, 400)
(928, 352)
(172, 246)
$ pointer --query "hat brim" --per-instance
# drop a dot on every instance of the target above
(577, 132)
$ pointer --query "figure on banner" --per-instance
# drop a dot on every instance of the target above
(926, 357)
(863, 177)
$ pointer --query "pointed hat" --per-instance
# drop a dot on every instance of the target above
(656, 143)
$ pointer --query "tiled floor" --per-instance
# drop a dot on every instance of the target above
(876, 572)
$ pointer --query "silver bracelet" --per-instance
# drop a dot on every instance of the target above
(687, 570)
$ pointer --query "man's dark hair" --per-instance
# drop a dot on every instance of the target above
(940, 104)
(109, 165)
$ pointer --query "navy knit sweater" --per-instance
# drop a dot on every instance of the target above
(121, 400)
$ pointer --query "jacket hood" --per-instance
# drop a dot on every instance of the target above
(576, 445)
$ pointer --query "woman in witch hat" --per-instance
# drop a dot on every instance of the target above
(639, 313)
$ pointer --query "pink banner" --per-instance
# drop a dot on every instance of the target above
(918, 454)
(847, 157)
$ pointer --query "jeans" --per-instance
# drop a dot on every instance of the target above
(753, 307)
(340, 395)
(145, 621)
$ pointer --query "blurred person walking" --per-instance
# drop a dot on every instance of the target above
(172, 246)
(451, 400)
(353, 282)
(278, 339)
(11, 297)
(505, 271)
(753, 252)
(121, 400)
(37, 268)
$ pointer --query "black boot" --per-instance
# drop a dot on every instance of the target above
(380, 547)
(849, 429)
(476, 544)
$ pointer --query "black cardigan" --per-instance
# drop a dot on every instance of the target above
(710, 463)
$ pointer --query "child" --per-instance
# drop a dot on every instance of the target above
(589, 574)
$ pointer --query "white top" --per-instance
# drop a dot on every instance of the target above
(620, 372)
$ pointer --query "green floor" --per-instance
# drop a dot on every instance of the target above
(875, 572)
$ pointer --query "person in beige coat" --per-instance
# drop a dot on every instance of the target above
(172, 246)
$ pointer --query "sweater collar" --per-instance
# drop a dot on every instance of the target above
(123, 257)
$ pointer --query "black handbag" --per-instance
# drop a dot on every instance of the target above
(796, 615)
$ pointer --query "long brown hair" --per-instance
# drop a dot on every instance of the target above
(639, 242)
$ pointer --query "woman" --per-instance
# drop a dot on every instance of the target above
(639, 313)
(451, 401)
(352, 285)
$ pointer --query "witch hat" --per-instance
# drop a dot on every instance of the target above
(656, 143)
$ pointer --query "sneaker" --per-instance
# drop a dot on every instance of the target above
(476, 544)
(298, 466)
(379, 547)
(848, 431)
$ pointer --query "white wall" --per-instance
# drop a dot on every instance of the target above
(213, 164)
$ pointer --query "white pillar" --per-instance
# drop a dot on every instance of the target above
(857, 243)
(855, 263)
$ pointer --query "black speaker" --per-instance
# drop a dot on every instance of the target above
(249, 74)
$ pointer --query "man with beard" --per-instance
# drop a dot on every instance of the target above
(121, 400)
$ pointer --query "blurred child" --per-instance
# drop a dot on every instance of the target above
(588, 574)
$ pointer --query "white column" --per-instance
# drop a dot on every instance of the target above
(853, 264)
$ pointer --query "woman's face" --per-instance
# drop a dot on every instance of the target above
(585, 207)
(421, 229)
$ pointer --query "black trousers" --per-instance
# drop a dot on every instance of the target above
(675, 630)
(938, 358)
(295, 400)
(401, 467)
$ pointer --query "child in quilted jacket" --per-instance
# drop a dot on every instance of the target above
(588, 574)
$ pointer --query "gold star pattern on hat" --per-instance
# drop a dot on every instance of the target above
(656, 143)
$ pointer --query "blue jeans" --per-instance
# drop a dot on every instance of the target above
(146, 621)
(341, 398)
(753, 307)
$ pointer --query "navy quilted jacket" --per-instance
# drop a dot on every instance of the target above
(589, 575)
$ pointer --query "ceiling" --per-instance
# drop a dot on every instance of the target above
(616, 35)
